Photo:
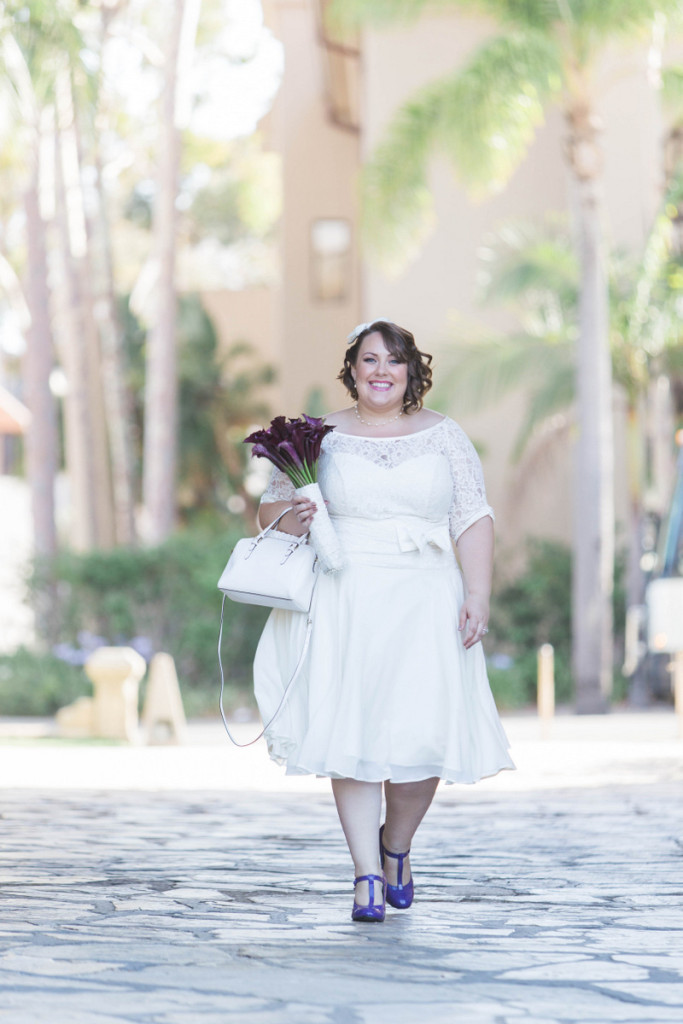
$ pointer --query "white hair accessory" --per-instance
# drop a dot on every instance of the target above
(350, 338)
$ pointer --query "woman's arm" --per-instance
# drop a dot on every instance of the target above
(475, 551)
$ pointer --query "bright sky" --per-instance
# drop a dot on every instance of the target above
(232, 81)
(232, 97)
(232, 84)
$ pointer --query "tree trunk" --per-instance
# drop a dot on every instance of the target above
(85, 453)
(161, 387)
(117, 400)
(117, 405)
(41, 437)
(116, 395)
(593, 568)
(636, 440)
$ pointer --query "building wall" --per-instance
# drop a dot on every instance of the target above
(440, 286)
(320, 162)
(249, 316)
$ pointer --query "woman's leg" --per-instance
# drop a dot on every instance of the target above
(407, 804)
(359, 805)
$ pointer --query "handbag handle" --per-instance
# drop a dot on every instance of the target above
(276, 522)
(285, 695)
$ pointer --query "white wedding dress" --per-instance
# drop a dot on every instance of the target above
(387, 691)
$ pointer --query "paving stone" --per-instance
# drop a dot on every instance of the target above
(553, 897)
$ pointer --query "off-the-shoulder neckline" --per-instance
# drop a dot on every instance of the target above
(392, 437)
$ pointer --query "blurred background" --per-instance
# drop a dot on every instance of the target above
(201, 198)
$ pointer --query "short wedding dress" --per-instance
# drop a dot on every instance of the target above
(388, 690)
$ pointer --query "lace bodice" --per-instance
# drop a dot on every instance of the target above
(431, 474)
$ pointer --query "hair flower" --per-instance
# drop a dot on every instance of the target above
(350, 338)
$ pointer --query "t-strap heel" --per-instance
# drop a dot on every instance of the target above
(373, 911)
(400, 896)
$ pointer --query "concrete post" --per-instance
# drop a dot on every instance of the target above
(546, 686)
(163, 715)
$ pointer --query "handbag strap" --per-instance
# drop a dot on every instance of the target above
(288, 688)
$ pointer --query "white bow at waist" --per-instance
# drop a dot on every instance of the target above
(395, 536)
(418, 538)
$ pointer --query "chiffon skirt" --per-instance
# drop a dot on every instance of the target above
(387, 690)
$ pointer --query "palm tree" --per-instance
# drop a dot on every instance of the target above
(483, 117)
(42, 446)
(43, 45)
(533, 270)
(161, 390)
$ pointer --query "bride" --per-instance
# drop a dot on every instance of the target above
(394, 695)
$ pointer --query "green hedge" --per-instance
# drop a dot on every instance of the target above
(38, 684)
(156, 599)
(165, 599)
(534, 609)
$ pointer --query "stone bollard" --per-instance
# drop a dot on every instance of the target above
(75, 720)
(163, 715)
(546, 686)
(115, 673)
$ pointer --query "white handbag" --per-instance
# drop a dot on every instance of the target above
(274, 569)
(277, 570)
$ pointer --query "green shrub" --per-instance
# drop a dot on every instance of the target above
(534, 609)
(38, 684)
(154, 599)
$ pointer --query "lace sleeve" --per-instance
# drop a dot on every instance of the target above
(469, 494)
(280, 487)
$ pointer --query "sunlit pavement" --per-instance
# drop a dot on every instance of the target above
(199, 884)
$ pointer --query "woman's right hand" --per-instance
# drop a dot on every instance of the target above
(304, 510)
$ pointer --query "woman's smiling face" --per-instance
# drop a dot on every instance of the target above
(381, 378)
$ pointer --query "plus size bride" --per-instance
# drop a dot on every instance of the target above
(394, 694)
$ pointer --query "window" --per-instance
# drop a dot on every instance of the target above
(331, 259)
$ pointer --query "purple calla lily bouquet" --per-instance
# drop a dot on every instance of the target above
(293, 446)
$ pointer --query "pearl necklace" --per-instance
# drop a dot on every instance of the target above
(379, 423)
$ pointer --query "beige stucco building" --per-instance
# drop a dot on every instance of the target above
(334, 104)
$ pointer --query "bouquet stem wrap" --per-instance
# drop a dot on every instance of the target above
(323, 535)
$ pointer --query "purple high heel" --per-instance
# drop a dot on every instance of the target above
(400, 896)
(373, 911)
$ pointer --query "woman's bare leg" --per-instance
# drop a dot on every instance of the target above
(407, 804)
(359, 805)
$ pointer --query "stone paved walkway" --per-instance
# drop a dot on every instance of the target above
(545, 896)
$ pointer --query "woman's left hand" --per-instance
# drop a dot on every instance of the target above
(474, 618)
(304, 510)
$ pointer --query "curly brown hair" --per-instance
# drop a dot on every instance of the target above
(401, 344)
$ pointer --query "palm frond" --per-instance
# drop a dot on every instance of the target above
(552, 398)
(672, 89)
(397, 209)
(483, 118)
(532, 14)
(650, 311)
(523, 261)
(541, 454)
(527, 14)
(347, 14)
(476, 373)
(492, 108)
(607, 19)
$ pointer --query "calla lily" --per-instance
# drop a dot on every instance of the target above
(293, 446)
